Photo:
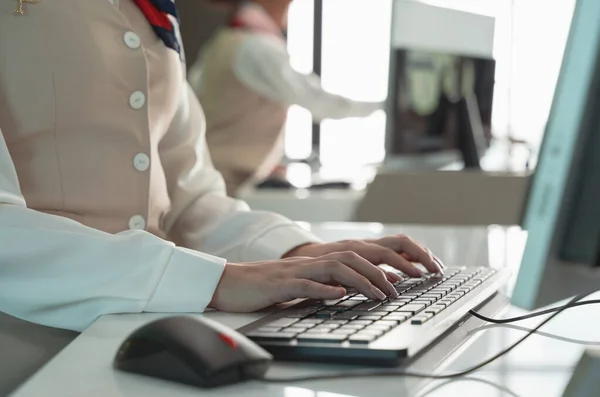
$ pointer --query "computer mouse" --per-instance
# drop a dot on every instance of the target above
(195, 351)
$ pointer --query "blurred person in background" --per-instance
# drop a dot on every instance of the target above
(245, 82)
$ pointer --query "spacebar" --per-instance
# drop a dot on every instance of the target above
(271, 336)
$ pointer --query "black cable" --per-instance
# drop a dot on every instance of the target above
(471, 379)
(531, 315)
(538, 333)
(393, 372)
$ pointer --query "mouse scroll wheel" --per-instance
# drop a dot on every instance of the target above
(229, 340)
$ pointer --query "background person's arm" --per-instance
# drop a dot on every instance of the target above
(60, 273)
(263, 65)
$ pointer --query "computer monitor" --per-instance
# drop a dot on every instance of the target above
(440, 101)
(562, 214)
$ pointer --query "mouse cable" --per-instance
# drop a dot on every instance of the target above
(532, 315)
(495, 385)
(372, 373)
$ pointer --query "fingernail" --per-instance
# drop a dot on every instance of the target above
(377, 292)
(439, 262)
(392, 291)
(395, 276)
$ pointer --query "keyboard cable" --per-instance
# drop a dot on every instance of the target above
(373, 373)
(532, 315)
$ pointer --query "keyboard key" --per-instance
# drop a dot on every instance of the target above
(336, 321)
(296, 330)
(377, 312)
(367, 306)
(330, 326)
(420, 288)
(372, 332)
(346, 316)
(400, 317)
(411, 308)
(332, 302)
(421, 318)
(322, 338)
(390, 308)
(362, 339)
(325, 314)
(271, 336)
(344, 331)
(345, 305)
(435, 309)
(317, 330)
(309, 322)
(432, 295)
(400, 300)
(269, 329)
(283, 322)
(361, 322)
(446, 302)
(352, 326)
(387, 323)
(370, 318)
(416, 280)
(411, 295)
(359, 298)
(426, 302)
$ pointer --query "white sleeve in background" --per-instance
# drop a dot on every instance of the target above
(59, 273)
(263, 65)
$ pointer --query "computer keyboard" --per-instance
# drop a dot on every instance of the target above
(356, 320)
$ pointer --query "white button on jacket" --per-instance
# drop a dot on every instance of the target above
(137, 100)
(68, 189)
(132, 40)
(137, 222)
(141, 162)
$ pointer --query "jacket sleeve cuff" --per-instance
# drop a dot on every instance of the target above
(188, 283)
(277, 241)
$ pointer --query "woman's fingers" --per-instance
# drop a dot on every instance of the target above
(328, 270)
(302, 288)
(415, 251)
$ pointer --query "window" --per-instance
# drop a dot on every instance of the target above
(530, 37)
(298, 135)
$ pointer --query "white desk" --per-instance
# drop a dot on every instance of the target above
(540, 367)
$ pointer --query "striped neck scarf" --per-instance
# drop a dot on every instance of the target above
(157, 12)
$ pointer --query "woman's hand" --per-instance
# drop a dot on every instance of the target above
(400, 252)
(250, 287)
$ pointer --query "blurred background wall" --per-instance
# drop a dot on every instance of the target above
(198, 22)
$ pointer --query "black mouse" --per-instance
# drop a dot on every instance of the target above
(198, 352)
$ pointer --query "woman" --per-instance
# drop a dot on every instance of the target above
(245, 83)
(109, 200)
